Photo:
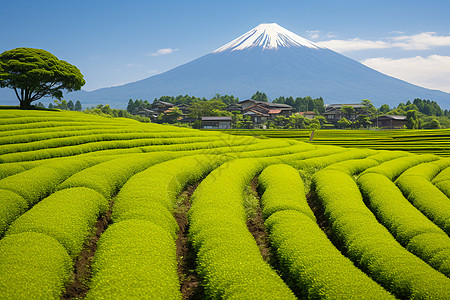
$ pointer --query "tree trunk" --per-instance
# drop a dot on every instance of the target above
(25, 104)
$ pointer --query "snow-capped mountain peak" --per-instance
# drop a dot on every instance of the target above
(267, 36)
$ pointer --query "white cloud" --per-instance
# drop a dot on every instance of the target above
(313, 34)
(353, 45)
(163, 51)
(420, 41)
(431, 72)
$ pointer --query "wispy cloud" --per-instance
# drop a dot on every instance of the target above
(313, 34)
(430, 72)
(355, 44)
(163, 51)
(421, 41)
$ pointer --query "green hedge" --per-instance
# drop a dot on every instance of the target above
(68, 216)
(442, 181)
(282, 189)
(416, 186)
(322, 162)
(404, 221)
(33, 266)
(370, 246)
(11, 207)
(228, 257)
(151, 194)
(316, 268)
(135, 259)
(39, 182)
(393, 168)
(108, 177)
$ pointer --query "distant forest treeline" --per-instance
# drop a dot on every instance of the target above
(427, 110)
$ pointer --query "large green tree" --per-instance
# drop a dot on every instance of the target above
(36, 73)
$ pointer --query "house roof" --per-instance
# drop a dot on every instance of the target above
(269, 104)
(306, 113)
(338, 106)
(393, 117)
(255, 112)
(163, 103)
(216, 119)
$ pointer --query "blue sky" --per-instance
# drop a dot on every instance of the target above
(115, 42)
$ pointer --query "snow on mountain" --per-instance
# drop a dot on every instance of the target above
(267, 36)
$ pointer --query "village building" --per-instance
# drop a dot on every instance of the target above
(390, 122)
(148, 113)
(307, 114)
(216, 122)
(333, 112)
(161, 106)
(184, 108)
(261, 112)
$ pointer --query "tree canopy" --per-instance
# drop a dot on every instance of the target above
(36, 73)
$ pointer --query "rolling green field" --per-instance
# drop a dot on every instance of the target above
(110, 208)
(434, 141)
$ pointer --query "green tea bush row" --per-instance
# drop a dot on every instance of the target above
(416, 186)
(135, 259)
(228, 258)
(393, 168)
(405, 222)
(303, 147)
(384, 155)
(202, 146)
(68, 216)
(9, 169)
(353, 166)
(317, 268)
(282, 189)
(442, 181)
(370, 245)
(108, 177)
(61, 150)
(67, 128)
(306, 255)
(33, 266)
(356, 166)
(39, 182)
(322, 162)
(11, 207)
(151, 194)
(58, 138)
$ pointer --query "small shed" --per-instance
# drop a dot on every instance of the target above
(390, 121)
(216, 122)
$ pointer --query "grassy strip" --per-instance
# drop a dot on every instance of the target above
(409, 226)
(370, 246)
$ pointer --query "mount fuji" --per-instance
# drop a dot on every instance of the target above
(276, 61)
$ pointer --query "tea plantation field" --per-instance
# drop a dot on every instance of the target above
(98, 208)
(432, 141)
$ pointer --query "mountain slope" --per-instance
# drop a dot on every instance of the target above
(272, 59)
